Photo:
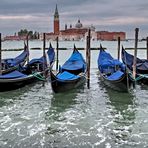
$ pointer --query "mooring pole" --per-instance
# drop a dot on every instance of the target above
(88, 58)
(147, 47)
(44, 55)
(57, 60)
(0, 53)
(27, 48)
(135, 53)
(118, 48)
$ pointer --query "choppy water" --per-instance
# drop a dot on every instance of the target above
(35, 117)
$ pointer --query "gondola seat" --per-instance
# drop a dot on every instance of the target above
(67, 76)
(116, 75)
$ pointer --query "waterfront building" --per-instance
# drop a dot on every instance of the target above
(79, 32)
(110, 36)
(14, 37)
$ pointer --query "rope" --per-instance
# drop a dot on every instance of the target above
(38, 76)
(142, 76)
(139, 77)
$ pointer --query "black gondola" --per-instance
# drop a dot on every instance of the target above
(141, 67)
(32, 72)
(71, 74)
(112, 72)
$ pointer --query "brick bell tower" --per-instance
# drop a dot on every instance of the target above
(56, 22)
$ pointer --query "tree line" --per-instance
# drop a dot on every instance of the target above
(32, 35)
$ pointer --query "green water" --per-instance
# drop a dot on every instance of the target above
(34, 116)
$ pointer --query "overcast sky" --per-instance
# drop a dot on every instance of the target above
(108, 15)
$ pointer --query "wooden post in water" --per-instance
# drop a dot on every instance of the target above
(0, 53)
(27, 47)
(135, 53)
(118, 48)
(147, 47)
(57, 60)
(88, 58)
(44, 55)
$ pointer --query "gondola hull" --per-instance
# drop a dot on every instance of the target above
(70, 75)
(32, 72)
(113, 73)
(122, 85)
(12, 84)
(63, 86)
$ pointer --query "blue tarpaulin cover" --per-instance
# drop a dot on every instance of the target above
(18, 59)
(38, 60)
(141, 64)
(67, 76)
(11, 75)
(51, 55)
(115, 76)
(106, 60)
(75, 62)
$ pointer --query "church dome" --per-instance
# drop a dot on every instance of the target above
(79, 24)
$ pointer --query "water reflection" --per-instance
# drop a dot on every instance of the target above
(121, 103)
(143, 87)
(21, 116)
(123, 113)
(9, 97)
(61, 101)
(60, 104)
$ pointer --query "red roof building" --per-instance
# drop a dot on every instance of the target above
(79, 32)
(14, 37)
(110, 36)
